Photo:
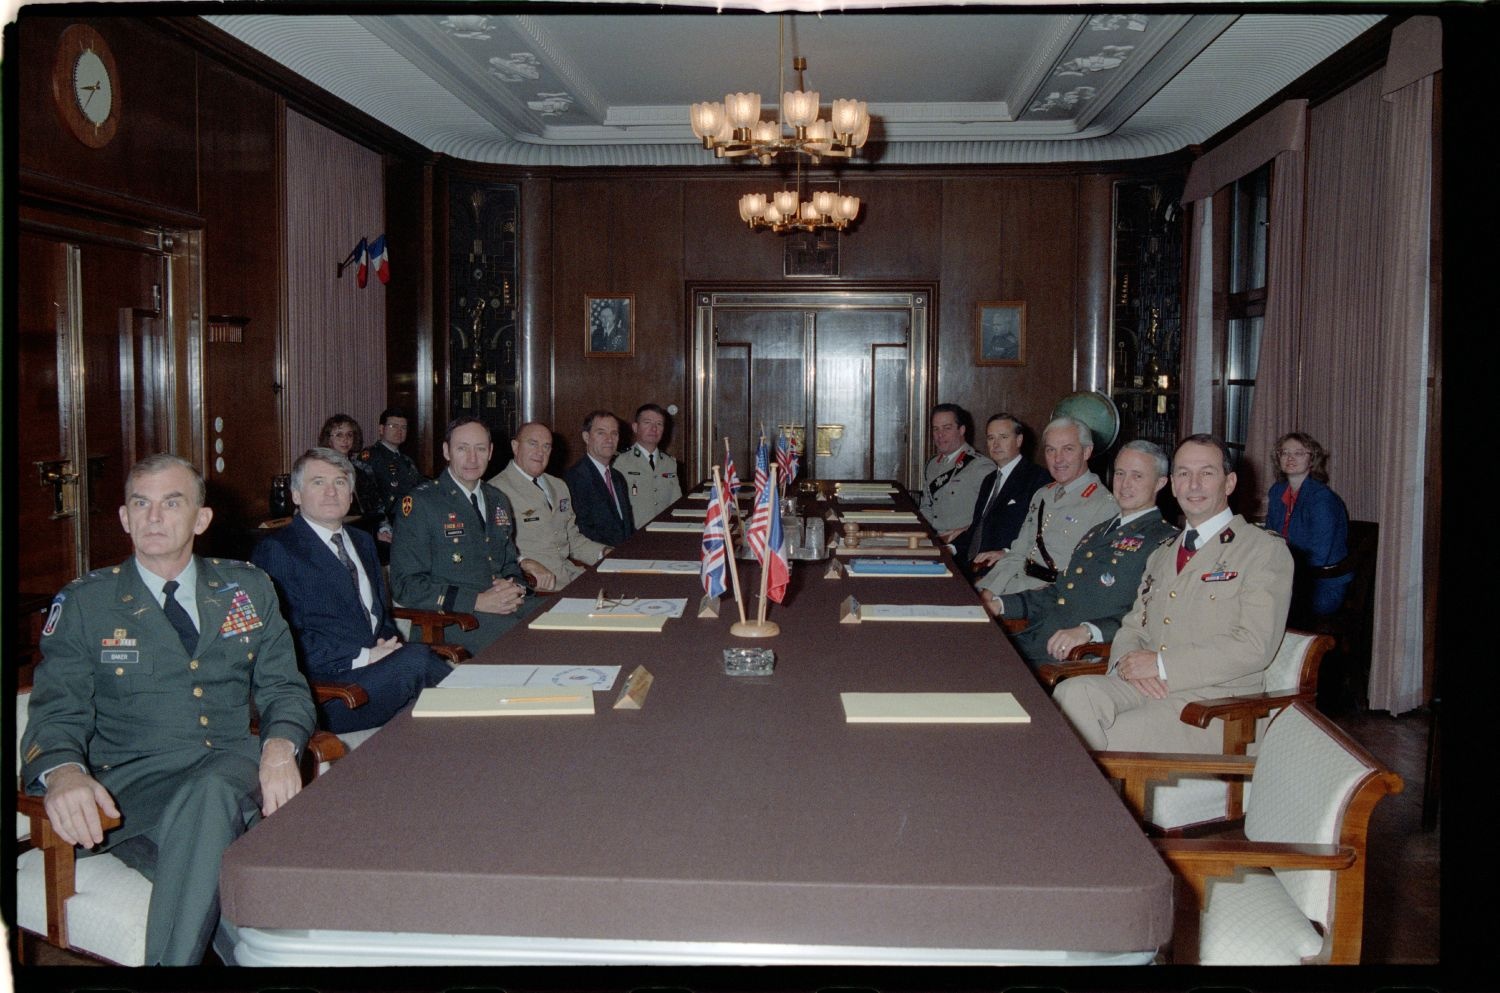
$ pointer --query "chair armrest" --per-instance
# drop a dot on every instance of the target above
(1013, 625)
(1252, 705)
(58, 864)
(351, 694)
(1197, 860)
(432, 622)
(1051, 673)
(1137, 770)
(326, 747)
(453, 653)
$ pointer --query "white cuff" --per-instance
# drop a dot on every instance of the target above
(362, 659)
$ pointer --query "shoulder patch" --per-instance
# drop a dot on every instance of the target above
(54, 614)
(406, 505)
(1089, 491)
(364, 456)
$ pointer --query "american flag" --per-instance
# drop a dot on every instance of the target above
(760, 523)
(762, 467)
(786, 461)
(714, 543)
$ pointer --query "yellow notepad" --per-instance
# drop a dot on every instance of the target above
(933, 708)
(879, 516)
(501, 701)
(555, 621)
(683, 526)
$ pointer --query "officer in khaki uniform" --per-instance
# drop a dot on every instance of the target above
(546, 530)
(1098, 586)
(151, 673)
(1208, 618)
(952, 477)
(455, 544)
(1061, 513)
(650, 473)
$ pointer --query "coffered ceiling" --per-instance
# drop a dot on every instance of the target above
(608, 89)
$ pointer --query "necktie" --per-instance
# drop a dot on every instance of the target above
(474, 499)
(609, 484)
(343, 554)
(652, 459)
(537, 482)
(1187, 548)
(186, 629)
(1288, 500)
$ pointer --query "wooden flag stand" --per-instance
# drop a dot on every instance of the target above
(760, 627)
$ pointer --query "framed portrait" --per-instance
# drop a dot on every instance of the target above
(609, 326)
(1000, 333)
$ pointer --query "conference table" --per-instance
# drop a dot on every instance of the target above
(730, 819)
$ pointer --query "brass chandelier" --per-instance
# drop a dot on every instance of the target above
(733, 129)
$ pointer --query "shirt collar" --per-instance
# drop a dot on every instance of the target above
(459, 483)
(524, 474)
(321, 531)
(600, 466)
(187, 580)
(1127, 518)
(1211, 527)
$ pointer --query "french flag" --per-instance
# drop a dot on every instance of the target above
(380, 259)
(361, 255)
(778, 569)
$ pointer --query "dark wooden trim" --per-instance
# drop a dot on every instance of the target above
(73, 197)
(301, 95)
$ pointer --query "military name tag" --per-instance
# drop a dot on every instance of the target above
(118, 657)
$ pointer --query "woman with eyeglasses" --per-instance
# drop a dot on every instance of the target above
(342, 433)
(1312, 519)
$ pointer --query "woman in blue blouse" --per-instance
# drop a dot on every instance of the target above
(1311, 517)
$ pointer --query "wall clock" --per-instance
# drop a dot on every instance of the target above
(86, 86)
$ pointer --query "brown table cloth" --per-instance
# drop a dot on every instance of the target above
(729, 808)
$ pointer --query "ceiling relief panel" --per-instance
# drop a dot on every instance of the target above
(561, 89)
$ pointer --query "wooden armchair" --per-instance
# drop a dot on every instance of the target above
(1290, 889)
(1291, 676)
(94, 906)
(427, 627)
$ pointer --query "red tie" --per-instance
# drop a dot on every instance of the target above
(609, 484)
(1186, 549)
(1288, 500)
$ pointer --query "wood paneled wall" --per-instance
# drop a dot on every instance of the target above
(1001, 235)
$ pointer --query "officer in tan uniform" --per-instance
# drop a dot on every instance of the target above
(1206, 623)
(951, 481)
(546, 530)
(650, 472)
(1060, 514)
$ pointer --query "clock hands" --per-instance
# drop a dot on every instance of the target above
(92, 90)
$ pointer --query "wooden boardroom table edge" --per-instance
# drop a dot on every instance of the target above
(897, 837)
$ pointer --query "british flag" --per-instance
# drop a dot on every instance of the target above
(786, 461)
(714, 543)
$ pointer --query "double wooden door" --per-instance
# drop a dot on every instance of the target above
(96, 368)
(843, 371)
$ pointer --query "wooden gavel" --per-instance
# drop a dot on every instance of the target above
(854, 534)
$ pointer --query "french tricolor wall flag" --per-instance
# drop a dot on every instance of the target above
(380, 259)
(362, 259)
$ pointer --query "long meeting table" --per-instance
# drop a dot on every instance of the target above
(731, 819)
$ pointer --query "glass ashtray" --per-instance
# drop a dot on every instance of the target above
(749, 661)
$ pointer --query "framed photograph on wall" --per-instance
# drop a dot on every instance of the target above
(609, 326)
(1000, 332)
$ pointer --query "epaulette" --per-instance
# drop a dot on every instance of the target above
(1088, 491)
(235, 564)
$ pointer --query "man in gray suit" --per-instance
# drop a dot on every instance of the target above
(151, 673)
(1207, 620)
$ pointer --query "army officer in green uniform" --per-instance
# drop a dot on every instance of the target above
(1098, 584)
(455, 547)
(392, 471)
(142, 703)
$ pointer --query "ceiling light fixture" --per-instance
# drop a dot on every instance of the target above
(786, 211)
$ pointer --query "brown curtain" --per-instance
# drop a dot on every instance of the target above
(1404, 335)
(335, 358)
(1276, 378)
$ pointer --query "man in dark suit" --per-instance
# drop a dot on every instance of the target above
(1098, 585)
(151, 671)
(1003, 497)
(333, 595)
(601, 501)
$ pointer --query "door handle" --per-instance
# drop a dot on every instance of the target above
(60, 476)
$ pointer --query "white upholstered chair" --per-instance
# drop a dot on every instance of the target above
(97, 904)
(1291, 890)
(1291, 676)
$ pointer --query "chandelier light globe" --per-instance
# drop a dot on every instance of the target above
(848, 208)
(800, 107)
(743, 109)
(752, 205)
(773, 216)
(707, 118)
(863, 132)
(844, 116)
(809, 214)
(764, 132)
(824, 201)
(819, 139)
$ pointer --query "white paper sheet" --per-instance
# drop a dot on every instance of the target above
(683, 566)
(651, 606)
(597, 677)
